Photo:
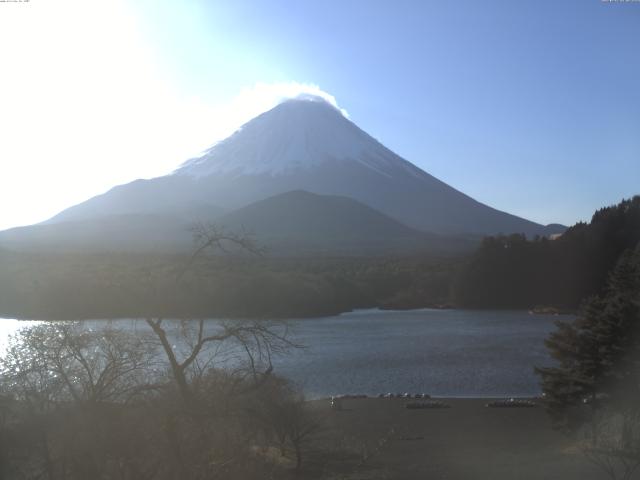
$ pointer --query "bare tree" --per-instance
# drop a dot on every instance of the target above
(287, 418)
(257, 342)
(210, 238)
(195, 349)
(301, 425)
(612, 442)
(68, 361)
(160, 404)
(65, 383)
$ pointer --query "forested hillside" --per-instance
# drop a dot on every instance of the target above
(505, 272)
(70, 286)
(513, 272)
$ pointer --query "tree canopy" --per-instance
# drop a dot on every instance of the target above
(598, 355)
(515, 272)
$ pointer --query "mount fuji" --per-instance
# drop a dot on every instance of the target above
(303, 144)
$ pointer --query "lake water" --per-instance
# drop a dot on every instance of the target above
(440, 352)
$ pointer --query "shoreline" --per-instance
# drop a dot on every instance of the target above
(354, 311)
(466, 441)
(536, 398)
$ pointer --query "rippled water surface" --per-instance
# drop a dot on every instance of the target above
(441, 352)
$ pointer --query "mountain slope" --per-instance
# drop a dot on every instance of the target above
(127, 233)
(292, 223)
(306, 144)
(303, 222)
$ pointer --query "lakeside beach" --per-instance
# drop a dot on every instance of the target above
(385, 440)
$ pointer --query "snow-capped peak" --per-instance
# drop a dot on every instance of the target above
(311, 97)
(299, 133)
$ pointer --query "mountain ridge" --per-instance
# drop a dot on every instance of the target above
(300, 221)
(291, 223)
(304, 144)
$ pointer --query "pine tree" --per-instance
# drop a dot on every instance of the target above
(598, 355)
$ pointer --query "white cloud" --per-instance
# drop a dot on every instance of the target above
(222, 120)
(263, 96)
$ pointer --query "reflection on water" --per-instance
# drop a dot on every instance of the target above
(441, 352)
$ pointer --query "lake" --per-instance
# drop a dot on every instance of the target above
(458, 353)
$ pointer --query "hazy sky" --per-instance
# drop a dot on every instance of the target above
(532, 107)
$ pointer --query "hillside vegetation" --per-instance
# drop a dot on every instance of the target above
(504, 272)
(74, 286)
(513, 272)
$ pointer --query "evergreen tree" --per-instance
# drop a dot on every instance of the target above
(598, 355)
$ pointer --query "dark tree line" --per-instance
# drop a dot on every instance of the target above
(593, 391)
(66, 286)
(514, 272)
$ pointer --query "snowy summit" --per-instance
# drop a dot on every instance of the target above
(300, 133)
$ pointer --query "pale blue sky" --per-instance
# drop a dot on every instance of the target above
(532, 107)
(529, 106)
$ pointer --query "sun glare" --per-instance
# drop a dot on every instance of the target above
(86, 106)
